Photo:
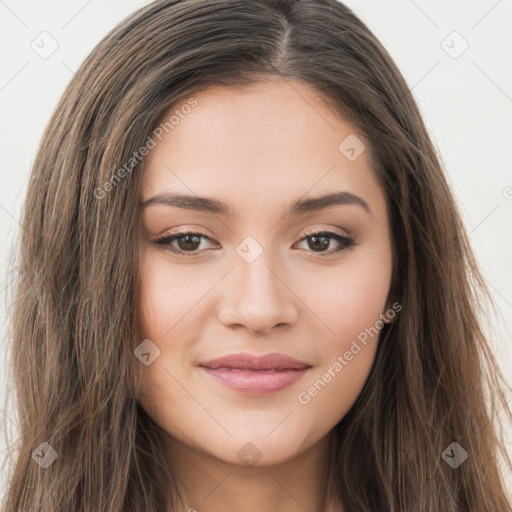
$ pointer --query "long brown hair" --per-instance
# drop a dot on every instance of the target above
(434, 381)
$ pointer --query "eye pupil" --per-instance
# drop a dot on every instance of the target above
(323, 245)
(185, 245)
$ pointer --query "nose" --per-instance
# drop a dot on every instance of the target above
(257, 298)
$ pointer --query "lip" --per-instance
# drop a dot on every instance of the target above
(254, 375)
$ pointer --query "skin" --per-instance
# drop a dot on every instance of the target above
(258, 148)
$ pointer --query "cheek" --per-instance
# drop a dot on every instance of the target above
(347, 298)
(349, 301)
(352, 312)
(166, 296)
(161, 303)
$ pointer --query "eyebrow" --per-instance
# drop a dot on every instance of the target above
(217, 206)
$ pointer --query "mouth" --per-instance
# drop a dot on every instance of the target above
(252, 375)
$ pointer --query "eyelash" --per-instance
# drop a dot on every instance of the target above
(165, 241)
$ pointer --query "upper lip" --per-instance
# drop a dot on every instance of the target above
(273, 361)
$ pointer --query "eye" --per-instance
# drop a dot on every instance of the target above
(320, 240)
(189, 242)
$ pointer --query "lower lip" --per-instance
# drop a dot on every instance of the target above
(252, 382)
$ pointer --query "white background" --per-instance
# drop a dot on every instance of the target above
(466, 103)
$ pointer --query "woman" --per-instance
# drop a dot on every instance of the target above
(244, 282)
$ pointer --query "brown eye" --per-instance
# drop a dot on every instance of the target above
(319, 241)
(188, 242)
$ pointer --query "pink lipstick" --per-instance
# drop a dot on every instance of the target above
(256, 375)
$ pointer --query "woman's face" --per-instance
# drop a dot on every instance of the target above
(259, 277)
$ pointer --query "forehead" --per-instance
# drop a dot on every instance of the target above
(250, 145)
